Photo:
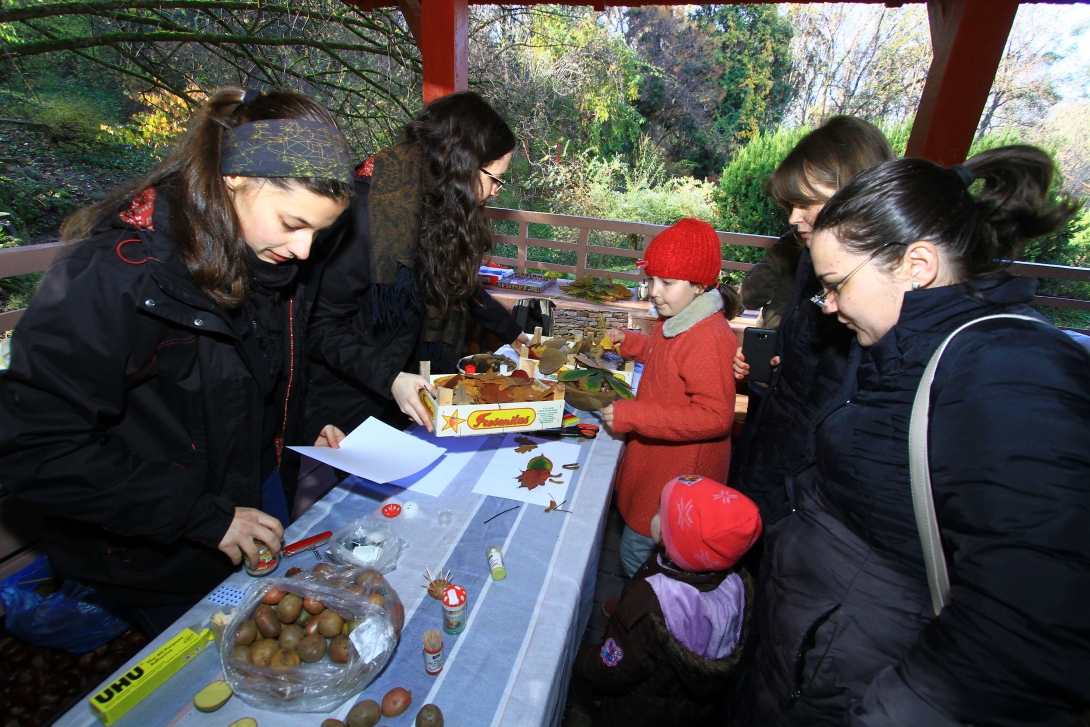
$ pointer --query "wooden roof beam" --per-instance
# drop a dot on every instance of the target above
(968, 38)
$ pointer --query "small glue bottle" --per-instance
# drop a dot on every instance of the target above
(495, 563)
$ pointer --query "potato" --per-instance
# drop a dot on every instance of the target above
(267, 622)
(304, 617)
(350, 626)
(365, 714)
(338, 650)
(330, 623)
(312, 627)
(323, 569)
(247, 633)
(290, 636)
(369, 578)
(285, 657)
(262, 651)
(243, 654)
(313, 605)
(377, 599)
(396, 701)
(288, 609)
(244, 722)
(273, 596)
(212, 697)
(292, 572)
(312, 648)
(429, 716)
(332, 723)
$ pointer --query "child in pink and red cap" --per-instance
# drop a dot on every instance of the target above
(674, 642)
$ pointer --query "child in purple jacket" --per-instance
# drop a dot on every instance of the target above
(674, 642)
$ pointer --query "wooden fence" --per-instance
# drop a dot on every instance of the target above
(580, 230)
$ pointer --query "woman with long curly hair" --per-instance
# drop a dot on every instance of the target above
(157, 373)
(401, 285)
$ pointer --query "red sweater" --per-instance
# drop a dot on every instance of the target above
(681, 419)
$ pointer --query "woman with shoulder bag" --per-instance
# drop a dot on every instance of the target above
(883, 601)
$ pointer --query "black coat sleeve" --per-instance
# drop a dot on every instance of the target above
(623, 661)
(493, 317)
(75, 350)
(1010, 463)
(341, 334)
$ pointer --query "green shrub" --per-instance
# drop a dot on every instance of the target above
(743, 202)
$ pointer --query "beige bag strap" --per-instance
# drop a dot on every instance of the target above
(938, 580)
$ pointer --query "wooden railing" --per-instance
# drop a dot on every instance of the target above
(584, 225)
(36, 258)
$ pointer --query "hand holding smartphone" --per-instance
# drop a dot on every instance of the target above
(759, 346)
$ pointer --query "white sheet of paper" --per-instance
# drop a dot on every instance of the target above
(500, 478)
(377, 452)
(435, 478)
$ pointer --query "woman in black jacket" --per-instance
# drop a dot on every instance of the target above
(157, 373)
(812, 349)
(402, 282)
(848, 634)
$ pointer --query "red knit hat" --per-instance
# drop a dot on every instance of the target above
(688, 250)
(706, 526)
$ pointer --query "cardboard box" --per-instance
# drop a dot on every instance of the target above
(467, 420)
(125, 692)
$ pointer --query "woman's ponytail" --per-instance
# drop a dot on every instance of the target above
(1015, 196)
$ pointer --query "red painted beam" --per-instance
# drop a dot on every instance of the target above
(444, 47)
(968, 37)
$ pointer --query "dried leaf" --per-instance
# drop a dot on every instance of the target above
(606, 342)
(550, 360)
(525, 445)
(573, 374)
(572, 466)
(538, 470)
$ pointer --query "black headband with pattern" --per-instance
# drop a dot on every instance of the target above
(286, 148)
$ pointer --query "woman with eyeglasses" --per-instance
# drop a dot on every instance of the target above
(812, 349)
(871, 611)
(402, 283)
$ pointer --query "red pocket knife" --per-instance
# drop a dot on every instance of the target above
(314, 541)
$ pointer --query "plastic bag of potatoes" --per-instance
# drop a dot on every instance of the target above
(300, 645)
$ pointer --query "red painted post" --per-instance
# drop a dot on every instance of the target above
(444, 47)
(968, 46)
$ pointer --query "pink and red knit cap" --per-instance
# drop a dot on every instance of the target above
(706, 526)
(688, 250)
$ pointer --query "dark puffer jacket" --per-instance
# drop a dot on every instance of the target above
(813, 350)
(353, 362)
(132, 414)
(846, 630)
(658, 681)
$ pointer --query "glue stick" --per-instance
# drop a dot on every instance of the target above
(495, 563)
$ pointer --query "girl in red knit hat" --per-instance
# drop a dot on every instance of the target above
(673, 645)
(681, 418)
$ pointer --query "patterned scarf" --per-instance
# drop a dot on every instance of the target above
(395, 208)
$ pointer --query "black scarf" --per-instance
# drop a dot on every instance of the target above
(262, 309)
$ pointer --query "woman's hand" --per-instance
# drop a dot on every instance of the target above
(616, 335)
(741, 368)
(607, 414)
(250, 525)
(524, 338)
(405, 390)
(330, 437)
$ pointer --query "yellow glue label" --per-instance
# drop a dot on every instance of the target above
(125, 692)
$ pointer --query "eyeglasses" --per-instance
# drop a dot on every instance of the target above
(821, 300)
(499, 182)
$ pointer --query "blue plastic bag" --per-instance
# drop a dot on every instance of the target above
(65, 620)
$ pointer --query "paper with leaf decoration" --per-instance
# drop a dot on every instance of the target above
(529, 469)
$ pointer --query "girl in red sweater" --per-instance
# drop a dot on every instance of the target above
(680, 421)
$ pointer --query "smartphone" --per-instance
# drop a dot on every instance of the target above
(759, 347)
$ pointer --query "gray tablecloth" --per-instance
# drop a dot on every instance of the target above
(510, 666)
